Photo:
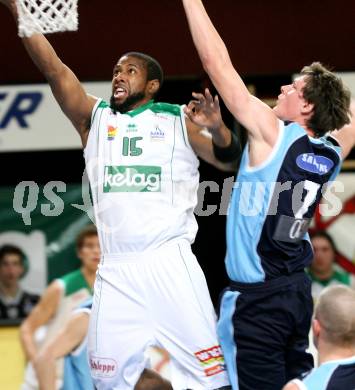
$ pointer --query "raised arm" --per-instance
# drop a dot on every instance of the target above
(254, 115)
(346, 135)
(66, 88)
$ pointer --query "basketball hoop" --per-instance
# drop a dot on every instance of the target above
(46, 16)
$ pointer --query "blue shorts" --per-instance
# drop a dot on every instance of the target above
(263, 330)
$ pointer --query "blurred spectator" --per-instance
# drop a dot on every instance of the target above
(333, 329)
(57, 303)
(15, 303)
(323, 270)
(71, 343)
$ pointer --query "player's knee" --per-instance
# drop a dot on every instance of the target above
(150, 380)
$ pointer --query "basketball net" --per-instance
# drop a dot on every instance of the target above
(46, 16)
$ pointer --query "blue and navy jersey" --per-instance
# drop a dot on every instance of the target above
(333, 375)
(272, 206)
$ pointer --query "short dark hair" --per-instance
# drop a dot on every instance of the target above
(154, 69)
(9, 249)
(326, 236)
(88, 231)
(330, 97)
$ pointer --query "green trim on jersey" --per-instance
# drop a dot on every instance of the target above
(339, 276)
(171, 166)
(173, 109)
(140, 109)
(103, 104)
(182, 129)
(74, 281)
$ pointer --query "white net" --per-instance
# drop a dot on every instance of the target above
(46, 16)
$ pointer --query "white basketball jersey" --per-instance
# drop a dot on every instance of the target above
(143, 176)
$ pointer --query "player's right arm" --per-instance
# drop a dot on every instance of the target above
(67, 340)
(259, 119)
(40, 315)
(66, 88)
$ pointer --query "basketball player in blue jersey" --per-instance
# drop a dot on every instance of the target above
(333, 328)
(266, 312)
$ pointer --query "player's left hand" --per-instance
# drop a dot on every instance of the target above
(204, 111)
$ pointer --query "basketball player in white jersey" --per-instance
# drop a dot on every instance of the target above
(142, 164)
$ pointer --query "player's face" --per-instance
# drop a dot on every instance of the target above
(323, 255)
(89, 253)
(11, 269)
(290, 102)
(129, 84)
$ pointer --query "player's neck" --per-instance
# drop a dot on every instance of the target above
(310, 132)
(329, 352)
(302, 122)
(9, 290)
(89, 276)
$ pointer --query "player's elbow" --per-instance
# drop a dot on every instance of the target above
(56, 73)
(228, 167)
(233, 166)
(25, 329)
(214, 61)
(45, 356)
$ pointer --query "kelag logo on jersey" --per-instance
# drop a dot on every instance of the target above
(134, 178)
(315, 164)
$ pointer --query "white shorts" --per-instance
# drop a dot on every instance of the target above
(156, 298)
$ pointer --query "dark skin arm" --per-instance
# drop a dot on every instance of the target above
(66, 88)
(204, 123)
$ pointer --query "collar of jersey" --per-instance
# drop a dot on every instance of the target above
(140, 109)
(324, 282)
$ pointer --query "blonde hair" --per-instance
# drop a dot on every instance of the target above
(335, 311)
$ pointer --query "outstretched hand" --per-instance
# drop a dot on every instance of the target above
(204, 111)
